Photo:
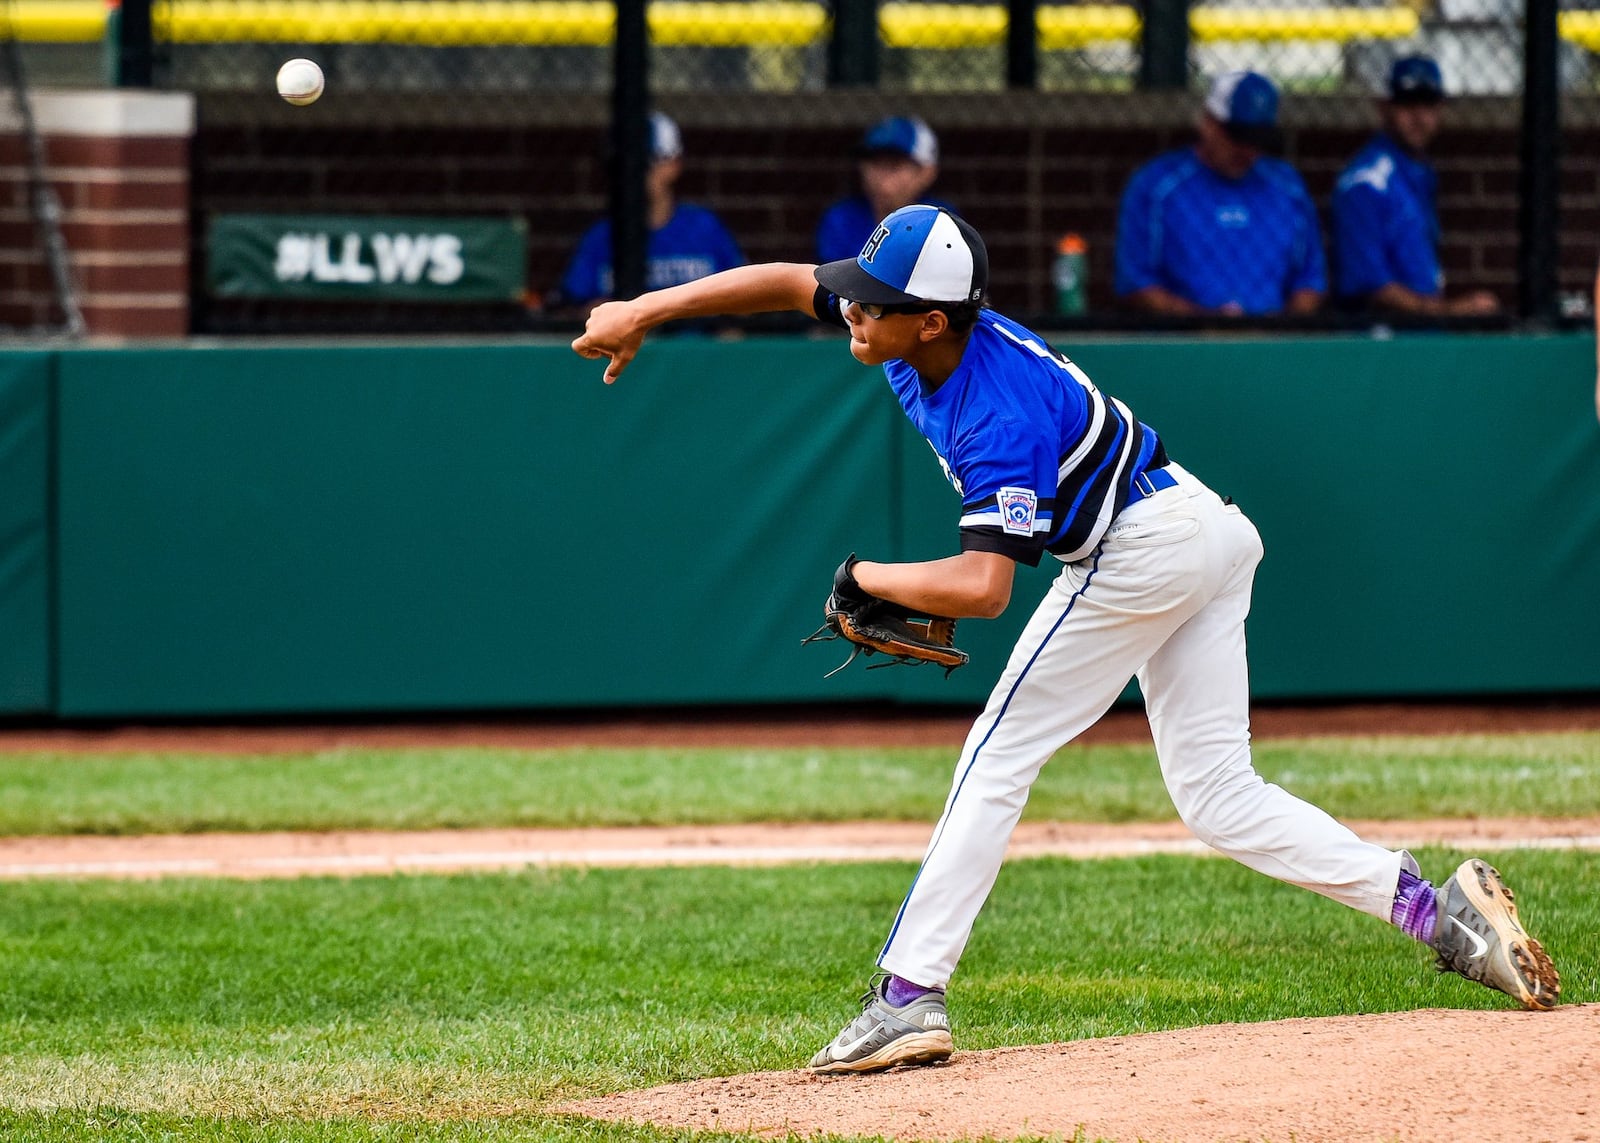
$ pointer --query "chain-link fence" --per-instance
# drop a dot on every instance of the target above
(502, 109)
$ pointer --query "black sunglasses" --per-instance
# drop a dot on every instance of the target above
(874, 310)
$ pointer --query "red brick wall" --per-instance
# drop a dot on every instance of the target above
(125, 205)
(124, 217)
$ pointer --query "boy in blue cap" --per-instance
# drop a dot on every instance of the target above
(897, 161)
(1155, 581)
(1220, 228)
(686, 241)
(1385, 221)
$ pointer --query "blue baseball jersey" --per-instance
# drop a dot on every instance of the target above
(1217, 241)
(693, 244)
(847, 224)
(1385, 223)
(1043, 461)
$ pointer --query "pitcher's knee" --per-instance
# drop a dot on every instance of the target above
(1221, 806)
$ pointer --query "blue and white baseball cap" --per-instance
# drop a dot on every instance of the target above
(666, 141)
(919, 253)
(1415, 79)
(1245, 103)
(901, 135)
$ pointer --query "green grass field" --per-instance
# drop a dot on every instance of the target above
(465, 1007)
(1395, 778)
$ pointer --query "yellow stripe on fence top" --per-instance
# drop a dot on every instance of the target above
(1336, 24)
(56, 21)
(729, 23)
(444, 23)
(1581, 28)
(1060, 26)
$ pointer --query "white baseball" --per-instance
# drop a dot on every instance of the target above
(300, 82)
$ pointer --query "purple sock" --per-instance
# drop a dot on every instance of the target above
(1416, 907)
(899, 992)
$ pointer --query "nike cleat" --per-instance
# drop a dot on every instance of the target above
(883, 1036)
(1477, 934)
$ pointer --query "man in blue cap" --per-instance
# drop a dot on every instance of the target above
(1154, 580)
(1220, 227)
(1385, 221)
(897, 161)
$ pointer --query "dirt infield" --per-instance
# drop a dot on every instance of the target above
(1430, 1075)
(350, 853)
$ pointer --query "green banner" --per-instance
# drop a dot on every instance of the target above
(366, 257)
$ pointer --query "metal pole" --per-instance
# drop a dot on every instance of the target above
(1538, 217)
(853, 48)
(1022, 44)
(630, 150)
(46, 204)
(1164, 45)
(136, 45)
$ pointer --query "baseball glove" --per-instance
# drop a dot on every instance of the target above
(873, 625)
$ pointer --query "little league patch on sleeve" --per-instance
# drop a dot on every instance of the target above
(1017, 507)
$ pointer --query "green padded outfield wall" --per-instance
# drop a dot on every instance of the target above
(313, 529)
(263, 530)
(24, 533)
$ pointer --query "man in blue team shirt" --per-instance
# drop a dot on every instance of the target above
(1219, 228)
(897, 160)
(1155, 581)
(1385, 223)
(686, 241)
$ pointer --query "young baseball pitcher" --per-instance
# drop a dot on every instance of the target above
(1156, 573)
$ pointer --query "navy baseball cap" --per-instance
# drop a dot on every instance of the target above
(1245, 103)
(901, 135)
(918, 254)
(1415, 79)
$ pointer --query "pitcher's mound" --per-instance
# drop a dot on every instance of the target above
(1411, 1076)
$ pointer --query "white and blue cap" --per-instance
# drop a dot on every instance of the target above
(666, 142)
(1245, 103)
(901, 135)
(918, 254)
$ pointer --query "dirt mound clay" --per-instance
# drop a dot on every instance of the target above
(1412, 1076)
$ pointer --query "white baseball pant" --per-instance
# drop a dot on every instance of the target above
(1164, 598)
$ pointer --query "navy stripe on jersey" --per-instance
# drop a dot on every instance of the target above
(1095, 475)
(1096, 471)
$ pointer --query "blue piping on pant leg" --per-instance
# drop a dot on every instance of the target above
(1056, 626)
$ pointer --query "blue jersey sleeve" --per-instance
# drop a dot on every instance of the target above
(1360, 258)
(1007, 473)
(1136, 257)
(588, 274)
(1310, 270)
(725, 250)
(839, 234)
